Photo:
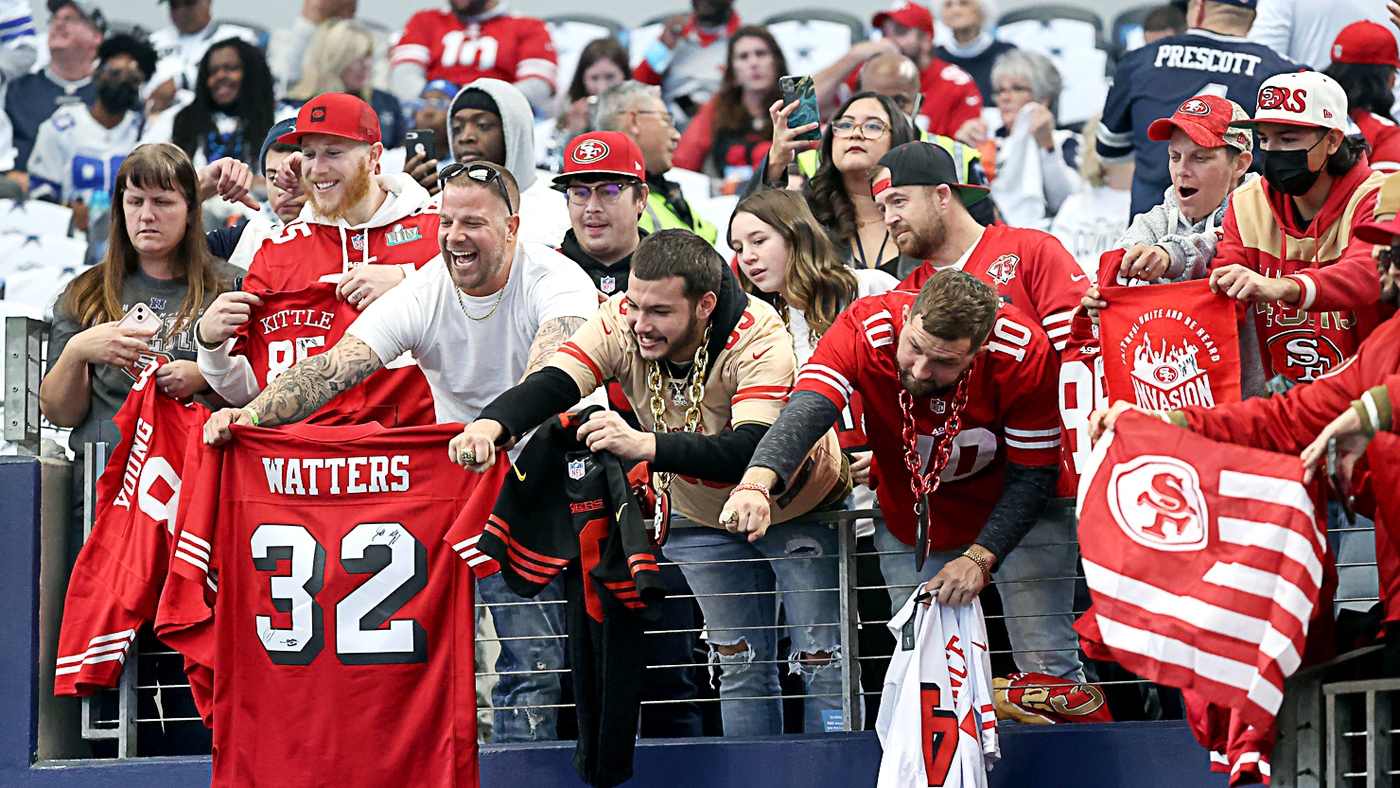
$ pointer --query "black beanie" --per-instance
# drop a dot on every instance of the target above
(475, 98)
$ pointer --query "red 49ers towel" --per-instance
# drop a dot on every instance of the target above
(1169, 346)
(1204, 562)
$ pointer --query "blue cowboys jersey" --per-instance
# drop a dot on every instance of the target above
(1151, 83)
(75, 156)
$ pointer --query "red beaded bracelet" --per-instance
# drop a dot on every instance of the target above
(758, 488)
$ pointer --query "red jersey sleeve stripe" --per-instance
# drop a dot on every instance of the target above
(577, 353)
(820, 384)
(762, 389)
(769, 397)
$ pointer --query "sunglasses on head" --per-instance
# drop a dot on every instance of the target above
(479, 173)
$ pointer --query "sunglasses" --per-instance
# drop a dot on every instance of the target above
(479, 173)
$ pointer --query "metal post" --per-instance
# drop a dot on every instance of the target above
(23, 370)
(850, 635)
(1377, 739)
(1338, 749)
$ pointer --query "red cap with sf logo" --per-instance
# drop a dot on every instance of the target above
(1304, 98)
(602, 153)
(336, 114)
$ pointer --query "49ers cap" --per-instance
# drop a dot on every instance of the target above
(1206, 120)
(925, 164)
(1366, 42)
(602, 153)
(1301, 98)
(905, 14)
(336, 114)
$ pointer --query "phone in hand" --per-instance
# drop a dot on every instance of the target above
(141, 317)
(420, 141)
(804, 92)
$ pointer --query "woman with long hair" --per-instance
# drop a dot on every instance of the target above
(602, 64)
(730, 135)
(339, 59)
(232, 107)
(1364, 58)
(156, 256)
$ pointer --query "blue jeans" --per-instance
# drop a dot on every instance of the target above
(1036, 583)
(1353, 544)
(739, 599)
(542, 649)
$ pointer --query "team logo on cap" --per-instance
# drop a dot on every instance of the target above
(1275, 97)
(318, 114)
(1194, 106)
(590, 151)
(1336, 51)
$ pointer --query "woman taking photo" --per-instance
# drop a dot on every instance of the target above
(602, 64)
(156, 256)
(338, 59)
(862, 131)
(730, 135)
(232, 107)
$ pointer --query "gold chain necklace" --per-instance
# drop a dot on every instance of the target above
(500, 297)
(695, 390)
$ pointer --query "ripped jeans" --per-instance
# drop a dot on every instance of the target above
(800, 558)
(540, 649)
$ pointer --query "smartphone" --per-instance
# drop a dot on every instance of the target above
(141, 318)
(802, 91)
(1333, 476)
(420, 141)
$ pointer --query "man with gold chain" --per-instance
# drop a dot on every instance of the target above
(708, 368)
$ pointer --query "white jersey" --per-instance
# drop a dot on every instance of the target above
(75, 156)
(180, 54)
(937, 722)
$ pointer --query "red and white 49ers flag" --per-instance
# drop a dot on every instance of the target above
(1204, 561)
(1169, 346)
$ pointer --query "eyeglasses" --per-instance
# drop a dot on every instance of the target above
(608, 193)
(666, 117)
(481, 174)
(870, 129)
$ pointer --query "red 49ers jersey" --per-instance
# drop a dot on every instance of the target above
(341, 630)
(505, 47)
(1010, 413)
(307, 252)
(291, 326)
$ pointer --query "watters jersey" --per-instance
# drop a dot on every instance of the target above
(75, 156)
(937, 722)
(341, 631)
(1010, 414)
(502, 46)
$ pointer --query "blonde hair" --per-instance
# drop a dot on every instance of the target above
(334, 46)
(1090, 167)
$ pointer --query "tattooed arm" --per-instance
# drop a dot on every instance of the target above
(551, 335)
(301, 390)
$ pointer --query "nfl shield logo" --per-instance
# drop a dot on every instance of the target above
(358, 241)
(607, 284)
(575, 469)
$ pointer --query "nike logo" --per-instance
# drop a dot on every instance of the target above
(620, 510)
(1077, 277)
(518, 474)
(761, 353)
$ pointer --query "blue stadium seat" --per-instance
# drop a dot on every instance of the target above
(814, 38)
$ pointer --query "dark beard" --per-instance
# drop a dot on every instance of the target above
(918, 388)
(919, 246)
(693, 331)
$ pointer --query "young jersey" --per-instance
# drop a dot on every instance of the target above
(938, 723)
(312, 576)
(1010, 414)
(75, 156)
(118, 577)
(501, 46)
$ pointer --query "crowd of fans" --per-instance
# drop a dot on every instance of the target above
(186, 143)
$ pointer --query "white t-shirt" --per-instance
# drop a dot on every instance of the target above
(469, 363)
(1091, 222)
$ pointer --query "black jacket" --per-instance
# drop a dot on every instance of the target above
(609, 279)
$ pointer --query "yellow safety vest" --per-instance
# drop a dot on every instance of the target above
(659, 215)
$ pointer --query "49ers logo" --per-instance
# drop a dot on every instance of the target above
(1003, 269)
(1274, 97)
(1303, 355)
(1157, 501)
(1194, 106)
(590, 151)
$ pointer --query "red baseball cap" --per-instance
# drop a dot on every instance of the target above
(336, 114)
(1366, 42)
(602, 153)
(1381, 233)
(907, 14)
(1206, 120)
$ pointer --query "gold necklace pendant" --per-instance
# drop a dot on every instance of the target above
(693, 385)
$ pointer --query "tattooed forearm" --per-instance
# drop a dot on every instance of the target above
(303, 389)
(547, 341)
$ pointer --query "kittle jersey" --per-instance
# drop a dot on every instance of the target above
(118, 577)
(504, 46)
(1010, 414)
(303, 252)
(1204, 562)
(342, 626)
(289, 327)
(937, 722)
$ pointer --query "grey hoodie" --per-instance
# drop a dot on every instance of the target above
(544, 213)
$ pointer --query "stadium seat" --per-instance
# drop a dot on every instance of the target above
(1127, 30)
(34, 217)
(814, 38)
(573, 32)
(264, 35)
(1044, 26)
(640, 37)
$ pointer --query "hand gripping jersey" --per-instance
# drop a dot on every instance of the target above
(500, 46)
(117, 580)
(937, 722)
(1204, 561)
(291, 326)
(1010, 414)
(341, 632)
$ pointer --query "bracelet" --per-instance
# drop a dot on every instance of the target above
(983, 563)
(758, 488)
(202, 343)
(252, 413)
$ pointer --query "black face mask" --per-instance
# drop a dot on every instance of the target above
(117, 95)
(1287, 170)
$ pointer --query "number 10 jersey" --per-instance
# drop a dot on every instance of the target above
(311, 575)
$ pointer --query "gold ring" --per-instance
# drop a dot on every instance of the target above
(729, 517)
(467, 457)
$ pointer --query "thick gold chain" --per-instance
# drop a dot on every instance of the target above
(695, 390)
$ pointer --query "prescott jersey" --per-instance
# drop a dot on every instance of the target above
(312, 574)
(1151, 82)
(499, 45)
(117, 579)
(291, 326)
(1010, 414)
(938, 722)
(747, 383)
(75, 156)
